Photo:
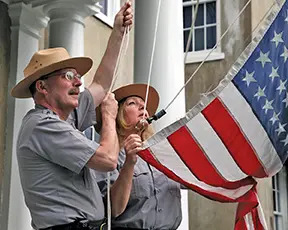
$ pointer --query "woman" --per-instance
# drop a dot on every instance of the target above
(141, 196)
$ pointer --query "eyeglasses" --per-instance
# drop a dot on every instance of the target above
(69, 75)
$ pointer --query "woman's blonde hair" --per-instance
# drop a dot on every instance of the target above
(122, 126)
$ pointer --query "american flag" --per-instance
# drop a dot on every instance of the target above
(236, 133)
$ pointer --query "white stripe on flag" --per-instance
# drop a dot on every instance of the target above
(253, 130)
(214, 148)
(261, 214)
(169, 158)
(249, 221)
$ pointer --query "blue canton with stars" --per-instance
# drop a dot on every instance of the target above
(263, 82)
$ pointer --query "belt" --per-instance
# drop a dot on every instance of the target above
(79, 224)
(121, 228)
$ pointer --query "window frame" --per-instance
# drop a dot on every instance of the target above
(217, 54)
(281, 191)
(112, 8)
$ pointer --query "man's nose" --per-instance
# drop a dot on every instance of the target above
(77, 82)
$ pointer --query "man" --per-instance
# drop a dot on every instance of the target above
(56, 160)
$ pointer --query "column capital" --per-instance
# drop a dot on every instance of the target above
(67, 8)
(25, 18)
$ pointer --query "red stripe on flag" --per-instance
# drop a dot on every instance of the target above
(246, 204)
(233, 138)
(198, 163)
(240, 225)
(148, 157)
(256, 220)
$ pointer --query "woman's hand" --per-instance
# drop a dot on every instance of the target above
(141, 125)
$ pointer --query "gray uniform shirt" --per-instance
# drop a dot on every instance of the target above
(155, 200)
(52, 155)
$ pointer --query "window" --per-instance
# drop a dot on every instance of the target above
(206, 29)
(104, 9)
(108, 11)
(279, 186)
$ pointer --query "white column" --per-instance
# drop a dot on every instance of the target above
(168, 65)
(25, 26)
(168, 68)
(66, 25)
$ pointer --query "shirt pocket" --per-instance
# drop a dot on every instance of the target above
(142, 182)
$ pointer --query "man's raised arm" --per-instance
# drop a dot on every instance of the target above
(104, 74)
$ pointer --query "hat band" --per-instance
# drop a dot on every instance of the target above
(124, 99)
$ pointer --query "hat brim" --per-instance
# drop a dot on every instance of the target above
(81, 64)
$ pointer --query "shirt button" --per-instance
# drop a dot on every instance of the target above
(159, 209)
(157, 190)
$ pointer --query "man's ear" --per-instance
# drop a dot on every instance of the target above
(40, 86)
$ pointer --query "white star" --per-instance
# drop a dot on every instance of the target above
(281, 87)
(286, 100)
(268, 105)
(286, 19)
(264, 58)
(285, 141)
(285, 54)
(274, 73)
(281, 128)
(249, 78)
(260, 93)
(277, 38)
(274, 118)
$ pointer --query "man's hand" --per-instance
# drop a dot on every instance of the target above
(109, 106)
(106, 156)
(124, 18)
(132, 145)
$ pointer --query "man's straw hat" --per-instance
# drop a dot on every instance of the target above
(138, 90)
(45, 62)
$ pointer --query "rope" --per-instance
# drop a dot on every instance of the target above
(115, 76)
(119, 58)
(152, 57)
(122, 52)
(201, 64)
(163, 112)
(108, 202)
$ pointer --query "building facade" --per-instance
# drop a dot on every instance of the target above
(29, 25)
